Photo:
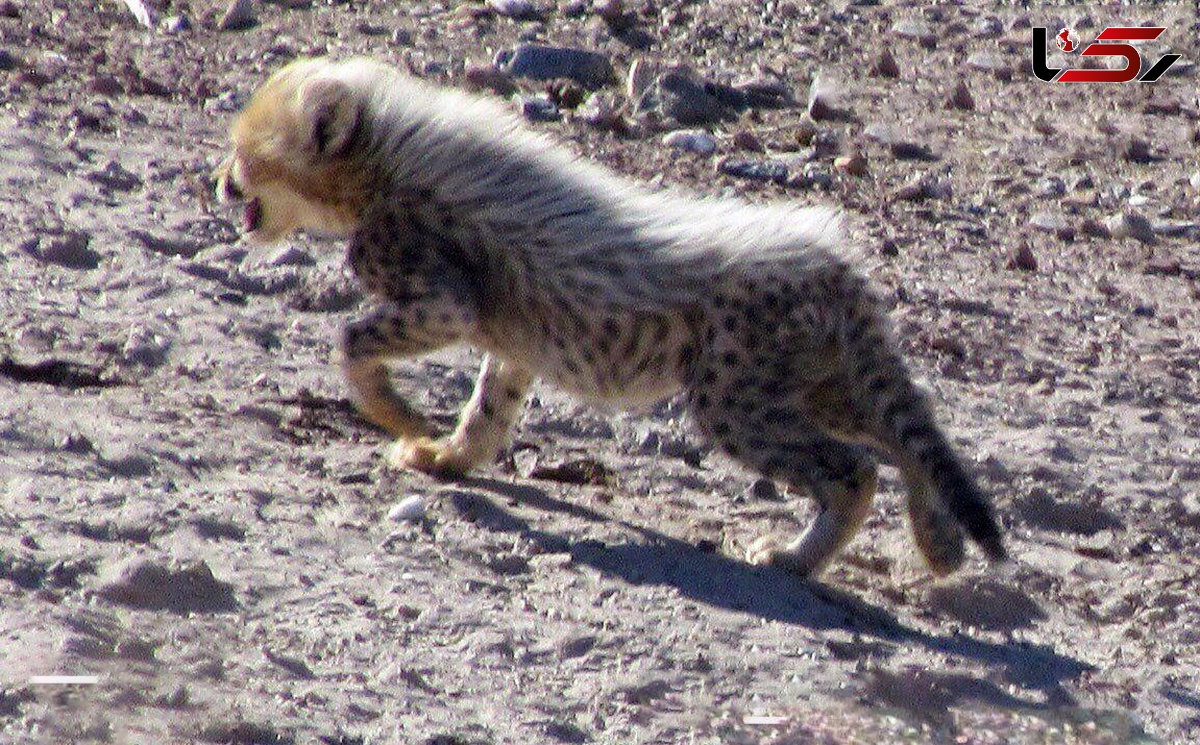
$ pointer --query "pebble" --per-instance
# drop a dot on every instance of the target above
(492, 78)
(8, 61)
(820, 102)
(680, 97)
(566, 94)
(238, 15)
(145, 348)
(764, 92)
(905, 150)
(991, 62)
(537, 62)
(537, 108)
(519, 10)
(754, 170)
(291, 256)
(409, 509)
(1094, 228)
(182, 587)
(746, 140)
(175, 24)
(1131, 224)
(1022, 258)
(764, 490)
(599, 111)
(691, 140)
(1137, 150)
(961, 98)
(885, 65)
(115, 177)
(1053, 223)
(917, 30)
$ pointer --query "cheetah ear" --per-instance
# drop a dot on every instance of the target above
(335, 112)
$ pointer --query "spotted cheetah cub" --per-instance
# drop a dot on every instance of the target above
(469, 229)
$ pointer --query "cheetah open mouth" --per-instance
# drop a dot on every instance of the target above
(252, 217)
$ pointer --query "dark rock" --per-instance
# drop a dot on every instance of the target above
(1022, 258)
(537, 62)
(754, 170)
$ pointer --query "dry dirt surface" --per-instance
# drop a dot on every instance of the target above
(191, 512)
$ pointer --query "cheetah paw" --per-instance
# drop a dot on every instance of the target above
(766, 552)
(426, 455)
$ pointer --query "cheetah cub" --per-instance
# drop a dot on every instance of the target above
(468, 229)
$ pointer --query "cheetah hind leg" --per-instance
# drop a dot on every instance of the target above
(845, 505)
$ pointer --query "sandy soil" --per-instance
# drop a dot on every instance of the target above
(191, 511)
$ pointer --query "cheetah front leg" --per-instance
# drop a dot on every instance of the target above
(395, 331)
(483, 426)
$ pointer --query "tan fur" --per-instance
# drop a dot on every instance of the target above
(467, 228)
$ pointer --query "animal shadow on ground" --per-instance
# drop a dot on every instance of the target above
(724, 582)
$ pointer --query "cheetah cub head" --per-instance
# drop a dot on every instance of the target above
(297, 150)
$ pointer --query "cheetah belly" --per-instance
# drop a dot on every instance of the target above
(639, 365)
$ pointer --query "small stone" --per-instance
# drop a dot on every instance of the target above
(1053, 223)
(885, 65)
(961, 98)
(1094, 228)
(692, 140)
(185, 587)
(679, 96)
(1164, 267)
(239, 15)
(168, 246)
(991, 62)
(566, 94)
(764, 490)
(8, 61)
(1137, 150)
(1131, 224)
(291, 256)
(518, 10)
(144, 348)
(917, 30)
(1043, 126)
(599, 111)
(10, 9)
(491, 78)
(754, 170)
(1022, 258)
(744, 139)
(914, 191)
(115, 177)
(408, 510)
(820, 102)
(538, 109)
(175, 24)
(613, 13)
(889, 247)
(76, 443)
(537, 62)
(853, 163)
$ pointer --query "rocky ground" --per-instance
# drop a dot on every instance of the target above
(191, 511)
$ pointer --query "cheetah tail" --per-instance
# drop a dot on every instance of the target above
(961, 495)
(922, 448)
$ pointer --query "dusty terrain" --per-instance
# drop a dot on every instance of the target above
(191, 512)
